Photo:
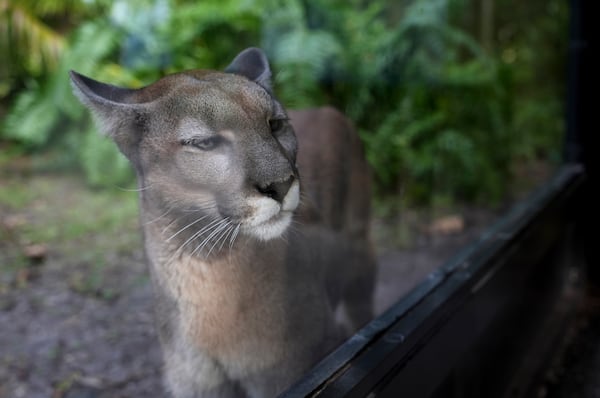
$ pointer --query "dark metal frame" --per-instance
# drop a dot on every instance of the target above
(463, 330)
(484, 323)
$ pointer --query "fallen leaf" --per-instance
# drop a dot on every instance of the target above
(447, 225)
(14, 221)
(36, 252)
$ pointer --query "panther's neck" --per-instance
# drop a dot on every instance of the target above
(212, 295)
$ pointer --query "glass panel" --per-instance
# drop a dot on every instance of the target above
(458, 105)
(478, 123)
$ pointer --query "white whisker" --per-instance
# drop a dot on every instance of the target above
(234, 235)
(169, 225)
(134, 189)
(210, 205)
(226, 235)
(179, 250)
(223, 230)
(198, 233)
(215, 230)
(186, 227)
(199, 210)
(158, 218)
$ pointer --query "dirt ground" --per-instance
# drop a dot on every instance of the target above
(76, 304)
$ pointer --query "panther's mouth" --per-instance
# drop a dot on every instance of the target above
(270, 219)
(272, 228)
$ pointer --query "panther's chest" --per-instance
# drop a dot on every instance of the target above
(232, 310)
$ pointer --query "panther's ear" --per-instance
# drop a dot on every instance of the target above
(114, 108)
(253, 64)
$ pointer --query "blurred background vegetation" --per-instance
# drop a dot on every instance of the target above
(451, 97)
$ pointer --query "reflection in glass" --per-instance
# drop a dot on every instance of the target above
(459, 105)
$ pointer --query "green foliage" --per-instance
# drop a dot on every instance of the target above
(535, 54)
(102, 164)
(440, 115)
(38, 111)
(30, 37)
(431, 106)
(49, 114)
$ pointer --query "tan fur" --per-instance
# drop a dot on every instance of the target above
(245, 302)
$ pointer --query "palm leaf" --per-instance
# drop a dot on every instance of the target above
(27, 40)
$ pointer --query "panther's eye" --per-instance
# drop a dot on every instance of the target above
(276, 124)
(205, 144)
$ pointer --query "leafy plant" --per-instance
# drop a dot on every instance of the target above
(429, 103)
(31, 37)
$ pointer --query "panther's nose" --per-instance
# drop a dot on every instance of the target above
(276, 190)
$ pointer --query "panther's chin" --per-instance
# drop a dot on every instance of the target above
(270, 229)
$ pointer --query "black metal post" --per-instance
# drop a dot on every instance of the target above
(582, 120)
